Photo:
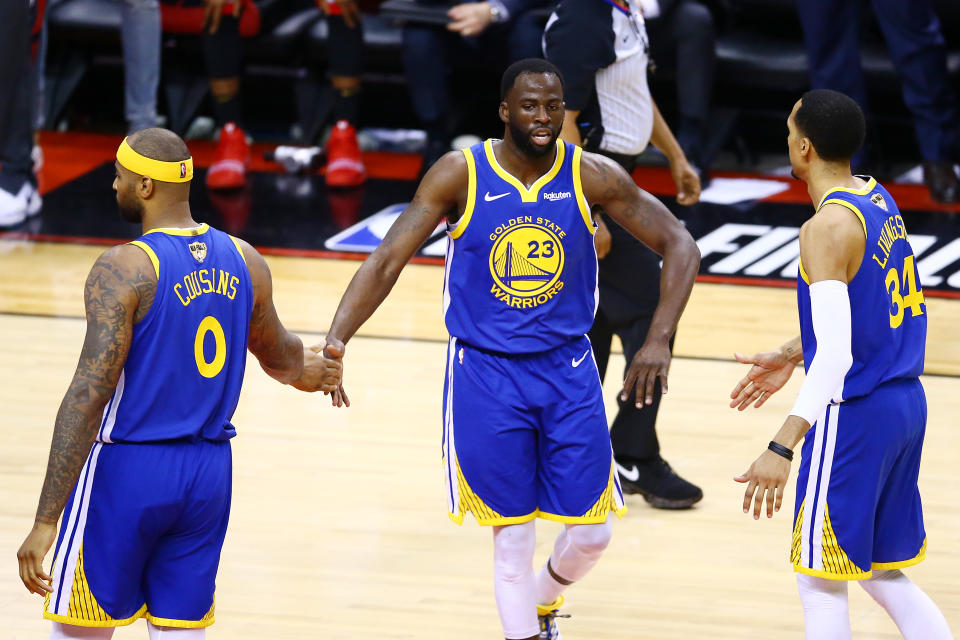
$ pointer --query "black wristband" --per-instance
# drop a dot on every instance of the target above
(780, 450)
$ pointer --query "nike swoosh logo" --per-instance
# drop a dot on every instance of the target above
(490, 198)
(575, 362)
(632, 475)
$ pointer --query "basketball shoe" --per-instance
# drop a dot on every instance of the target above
(548, 614)
(232, 160)
(658, 483)
(344, 162)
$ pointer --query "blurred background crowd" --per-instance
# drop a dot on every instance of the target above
(333, 77)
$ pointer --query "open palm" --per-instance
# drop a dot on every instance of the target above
(770, 371)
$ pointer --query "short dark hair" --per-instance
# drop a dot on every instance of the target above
(527, 65)
(834, 123)
(159, 144)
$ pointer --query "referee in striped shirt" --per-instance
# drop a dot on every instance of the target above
(602, 50)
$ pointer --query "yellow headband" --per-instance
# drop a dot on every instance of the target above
(179, 171)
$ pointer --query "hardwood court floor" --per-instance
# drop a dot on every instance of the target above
(338, 527)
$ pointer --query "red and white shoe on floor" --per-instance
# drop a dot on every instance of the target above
(232, 161)
(344, 162)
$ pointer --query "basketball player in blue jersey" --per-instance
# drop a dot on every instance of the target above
(861, 409)
(525, 433)
(141, 446)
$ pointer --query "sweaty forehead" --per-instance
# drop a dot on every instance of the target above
(542, 86)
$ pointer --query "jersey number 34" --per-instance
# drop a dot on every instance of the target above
(898, 302)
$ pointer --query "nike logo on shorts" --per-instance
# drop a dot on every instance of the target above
(490, 198)
(632, 475)
(575, 362)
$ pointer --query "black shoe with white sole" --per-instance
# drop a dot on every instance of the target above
(658, 483)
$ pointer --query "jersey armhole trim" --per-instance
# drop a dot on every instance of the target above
(578, 192)
(803, 273)
(464, 220)
(851, 207)
(236, 243)
(150, 254)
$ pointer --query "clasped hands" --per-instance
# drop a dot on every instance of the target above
(323, 371)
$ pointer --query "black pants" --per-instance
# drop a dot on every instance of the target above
(683, 39)
(18, 90)
(428, 51)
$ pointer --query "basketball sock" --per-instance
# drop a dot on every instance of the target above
(917, 616)
(226, 108)
(576, 551)
(175, 633)
(826, 612)
(513, 582)
(347, 104)
(62, 631)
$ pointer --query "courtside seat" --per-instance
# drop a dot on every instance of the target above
(90, 23)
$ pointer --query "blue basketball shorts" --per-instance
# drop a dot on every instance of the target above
(526, 436)
(858, 506)
(141, 536)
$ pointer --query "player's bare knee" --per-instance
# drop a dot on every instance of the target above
(590, 539)
(513, 548)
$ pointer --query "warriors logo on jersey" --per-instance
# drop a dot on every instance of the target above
(526, 261)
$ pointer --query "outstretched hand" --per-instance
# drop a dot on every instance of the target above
(767, 478)
(319, 373)
(770, 371)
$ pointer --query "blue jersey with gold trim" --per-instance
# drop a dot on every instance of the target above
(889, 315)
(182, 376)
(521, 271)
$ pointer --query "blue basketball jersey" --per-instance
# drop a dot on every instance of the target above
(889, 318)
(183, 374)
(521, 269)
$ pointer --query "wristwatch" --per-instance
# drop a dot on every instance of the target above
(498, 11)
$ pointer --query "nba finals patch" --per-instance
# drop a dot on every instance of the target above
(877, 199)
(199, 250)
(526, 261)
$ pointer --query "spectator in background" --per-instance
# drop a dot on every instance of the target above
(502, 31)
(915, 41)
(140, 34)
(601, 49)
(19, 26)
(220, 23)
(344, 162)
(682, 36)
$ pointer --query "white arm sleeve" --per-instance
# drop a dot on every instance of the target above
(830, 311)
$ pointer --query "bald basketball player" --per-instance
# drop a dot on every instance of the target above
(141, 445)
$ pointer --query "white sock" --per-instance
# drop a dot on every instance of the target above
(826, 612)
(62, 631)
(175, 633)
(513, 583)
(914, 612)
(576, 551)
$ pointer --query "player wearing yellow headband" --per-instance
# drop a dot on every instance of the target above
(169, 319)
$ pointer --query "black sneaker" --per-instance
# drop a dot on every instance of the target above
(658, 483)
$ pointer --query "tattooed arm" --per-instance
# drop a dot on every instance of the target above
(647, 219)
(281, 353)
(441, 193)
(119, 291)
